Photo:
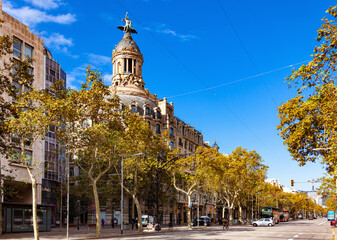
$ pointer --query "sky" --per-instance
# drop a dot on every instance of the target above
(222, 63)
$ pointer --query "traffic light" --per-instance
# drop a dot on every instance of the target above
(292, 183)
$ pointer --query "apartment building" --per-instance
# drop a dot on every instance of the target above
(45, 162)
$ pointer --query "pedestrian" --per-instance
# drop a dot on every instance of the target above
(136, 222)
(132, 223)
(102, 221)
(78, 226)
(116, 222)
(113, 223)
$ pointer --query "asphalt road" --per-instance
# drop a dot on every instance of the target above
(295, 230)
(318, 229)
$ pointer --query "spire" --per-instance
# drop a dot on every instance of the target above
(127, 28)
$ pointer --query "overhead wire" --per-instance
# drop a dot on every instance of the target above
(200, 80)
(246, 50)
(236, 81)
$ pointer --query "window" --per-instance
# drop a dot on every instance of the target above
(158, 115)
(158, 129)
(28, 51)
(147, 111)
(133, 108)
(198, 139)
(180, 142)
(17, 47)
(171, 131)
(52, 72)
(171, 144)
(183, 130)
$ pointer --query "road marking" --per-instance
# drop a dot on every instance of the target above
(300, 233)
(290, 239)
(295, 236)
(322, 223)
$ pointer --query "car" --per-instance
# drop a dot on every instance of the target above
(203, 221)
(333, 223)
(264, 222)
(311, 217)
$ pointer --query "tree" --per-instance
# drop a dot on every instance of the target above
(6, 90)
(89, 126)
(229, 176)
(308, 121)
(137, 171)
(186, 180)
(26, 126)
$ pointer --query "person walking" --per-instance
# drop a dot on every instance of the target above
(136, 222)
(113, 223)
(102, 221)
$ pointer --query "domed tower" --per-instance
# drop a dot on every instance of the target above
(127, 62)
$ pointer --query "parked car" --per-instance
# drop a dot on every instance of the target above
(333, 223)
(203, 221)
(266, 222)
(311, 217)
(146, 219)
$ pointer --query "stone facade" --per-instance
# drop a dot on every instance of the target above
(45, 162)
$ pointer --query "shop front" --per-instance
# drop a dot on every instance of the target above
(19, 217)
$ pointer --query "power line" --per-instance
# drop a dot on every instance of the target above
(236, 81)
(199, 79)
(246, 50)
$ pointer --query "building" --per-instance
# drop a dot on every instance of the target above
(129, 85)
(47, 168)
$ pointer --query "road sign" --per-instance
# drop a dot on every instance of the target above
(331, 215)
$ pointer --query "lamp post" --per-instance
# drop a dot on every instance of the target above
(122, 192)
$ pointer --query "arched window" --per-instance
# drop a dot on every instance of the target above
(147, 111)
(133, 108)
(158, 115)
(171, 131)
(158, 129)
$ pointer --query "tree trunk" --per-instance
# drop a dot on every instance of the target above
(0, 198)
(98, 212)
(223, 212)
(35, 223)
(230, 213)
(189, 213)
(240, 213)
(139, 212)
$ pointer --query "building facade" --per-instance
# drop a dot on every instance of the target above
(129, 85)
(45, 162)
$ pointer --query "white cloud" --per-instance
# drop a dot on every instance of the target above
(57, 41)
(107, 78)
(45, 4)
(32, 17)
(165, 30)
(95, 59)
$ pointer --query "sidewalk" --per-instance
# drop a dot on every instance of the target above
(85, 233)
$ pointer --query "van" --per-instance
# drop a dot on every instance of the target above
(146, 219)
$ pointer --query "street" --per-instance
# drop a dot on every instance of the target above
(318, 229)
(302, 229)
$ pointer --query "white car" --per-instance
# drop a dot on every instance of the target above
(263, 222)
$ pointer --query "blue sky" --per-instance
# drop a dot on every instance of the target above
(244, 49)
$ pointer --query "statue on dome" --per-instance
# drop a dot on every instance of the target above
(127, 28)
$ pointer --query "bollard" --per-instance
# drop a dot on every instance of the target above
(333, 233)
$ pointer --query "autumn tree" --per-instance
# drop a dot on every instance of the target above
(185, 178)
(141, 150)
(308, 121)
(27, 126)
(229, 176)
